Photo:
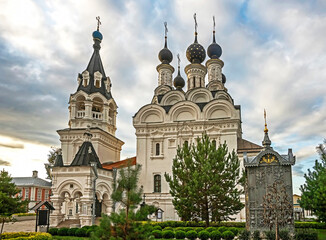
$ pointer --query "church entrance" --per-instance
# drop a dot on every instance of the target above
(98, 207)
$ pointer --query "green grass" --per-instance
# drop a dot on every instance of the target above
(321, 234)
(68, 238)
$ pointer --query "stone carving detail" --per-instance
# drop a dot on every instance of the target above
(278, 174)
(260, 176)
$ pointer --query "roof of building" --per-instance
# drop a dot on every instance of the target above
(247, 146)
(120, 164)
(41, 203)
(95, 65)
(85, 155)
(31, 182)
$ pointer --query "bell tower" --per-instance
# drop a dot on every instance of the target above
(92, 106)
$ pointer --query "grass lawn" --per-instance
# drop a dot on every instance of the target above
(321, 234)
(68, 238)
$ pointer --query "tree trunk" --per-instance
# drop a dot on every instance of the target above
(3, 223)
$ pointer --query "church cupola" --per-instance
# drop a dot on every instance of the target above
(195, 70)
(178, 81)
(93, 103)
(214, 65)
(165, 70)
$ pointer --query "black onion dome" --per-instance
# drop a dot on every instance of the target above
(223, 78)
(178, 81)
(165, 55)
(214, 51)
(196, 52)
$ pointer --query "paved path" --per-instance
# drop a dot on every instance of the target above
(23, 226)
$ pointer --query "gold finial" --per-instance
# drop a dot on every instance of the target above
(266, 129)
(98, 23)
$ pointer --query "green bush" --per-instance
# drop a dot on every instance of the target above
(234, 230)
(270, 235)
(284, 235)
(256, 235)
(244, 235)
(53, 231)
(81, 232)
(168, 234)
(157, 233)
(91, 230)
(222, 229)
(192, 235)
(198, 229)
(168, 228)
(187, 229)
(210, 229)
(203, 235)
(63, 231)
(228, 235)
(176, 224)
(157, 228)
(306, 235)
(215, 235)
(315, 225)
(179, 234)
(72, 231)
(26, 235)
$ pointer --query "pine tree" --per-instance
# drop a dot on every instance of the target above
(51, 159)
(9, 202)
(314, 190)
(205, 182)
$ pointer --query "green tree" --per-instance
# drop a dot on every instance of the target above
(9, 202)
(51, 159)
(205, 181)
(313, 192)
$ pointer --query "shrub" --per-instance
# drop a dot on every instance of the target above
(187, 229)
(228, 235)
(256, 235)
(245, 235)
(270, 235)
(157, 233)
(179, 234)
(215, 235)
(222, 229)
(306, 235)
(168, 228)
(91, 230)
(198, 229)
(192, 235)
(234, 230)
(168, 234)
(210, 229)
(53, 231)
(203, 235)
(63, 231)
(81, 232)
(157, 228)
(26, 235)
(72, 231)
(284, 235)
(315, 225)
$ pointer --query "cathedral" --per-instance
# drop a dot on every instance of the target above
(180, 111)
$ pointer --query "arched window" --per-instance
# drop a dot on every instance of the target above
(97, 83)
(194, 82)
(157, 183)
(157, 149)
(214, 143)
(186, 143)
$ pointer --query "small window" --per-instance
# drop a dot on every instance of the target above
(70, 211)
(85, 82)
(157, 149)
(97, 84)
(71, 186)
(39, 191)
(214, 143)
(194, 82)
(26, 193)
(157, 183)
(186, 143)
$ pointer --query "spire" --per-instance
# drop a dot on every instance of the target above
(266, 142)
(58, 160)
(214, 51)
(214, 29)
(165, 55)
(178, 81)
(166, 34)
(196, 25)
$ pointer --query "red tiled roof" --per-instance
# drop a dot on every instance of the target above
(120, 164)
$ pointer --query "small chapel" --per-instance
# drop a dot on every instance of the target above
(180, 111)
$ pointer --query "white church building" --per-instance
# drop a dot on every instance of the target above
(83, 175)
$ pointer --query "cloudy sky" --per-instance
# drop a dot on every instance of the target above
(274, 54)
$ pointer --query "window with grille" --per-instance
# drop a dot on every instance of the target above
(26, 193)
(157, 183)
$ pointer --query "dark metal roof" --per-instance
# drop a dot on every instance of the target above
(58, 161)
(30, 181)
(85, 155)
(201, 105)
(41, 203)
(94, 65)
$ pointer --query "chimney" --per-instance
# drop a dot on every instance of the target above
(35, 174)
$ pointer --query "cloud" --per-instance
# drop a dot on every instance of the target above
(12, 145)
(4, 163)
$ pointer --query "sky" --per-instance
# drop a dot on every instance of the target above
(274, 55)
